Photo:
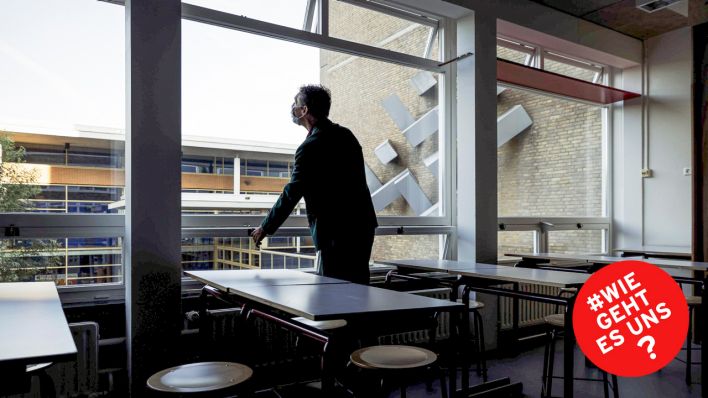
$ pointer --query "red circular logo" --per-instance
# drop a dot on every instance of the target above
(630, 318)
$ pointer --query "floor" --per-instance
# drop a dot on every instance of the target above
(526, 368)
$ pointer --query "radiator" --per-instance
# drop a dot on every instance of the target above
(530, 312)
(423, 336)
(222, 333)
(80, 376)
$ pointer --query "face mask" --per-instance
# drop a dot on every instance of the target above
(296, 119)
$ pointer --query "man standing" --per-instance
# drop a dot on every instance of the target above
(329, 173)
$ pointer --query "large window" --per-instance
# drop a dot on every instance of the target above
(62, 126)
(554, 167)
(62, 112)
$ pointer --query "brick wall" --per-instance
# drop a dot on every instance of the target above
(359, 86)
(552, 169)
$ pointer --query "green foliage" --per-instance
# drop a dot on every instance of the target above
(21, 259)
(16, 184)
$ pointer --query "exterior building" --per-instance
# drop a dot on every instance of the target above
(82, 172)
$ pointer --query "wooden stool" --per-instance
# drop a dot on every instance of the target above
(556, 323)
(397, 360)
(200, 379)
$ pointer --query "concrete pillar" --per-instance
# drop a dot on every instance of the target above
(153, 141)
(477, 150)
(477, 138)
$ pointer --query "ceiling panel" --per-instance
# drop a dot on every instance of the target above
(577, 7)
(624, 17)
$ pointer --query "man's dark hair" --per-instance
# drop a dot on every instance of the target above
(317, 98)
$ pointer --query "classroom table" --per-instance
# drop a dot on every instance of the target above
(228, 279)
(485, 278)
(33, 329)
(323, 299)
(649, 251)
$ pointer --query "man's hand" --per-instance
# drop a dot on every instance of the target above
(258, 235)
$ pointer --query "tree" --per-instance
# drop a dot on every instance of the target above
(21, 259)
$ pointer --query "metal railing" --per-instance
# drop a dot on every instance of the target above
(543, 226)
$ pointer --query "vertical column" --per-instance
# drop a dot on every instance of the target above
(700, 179)
(237, 177)
(477, 150)
(153, 185)
(477, 138)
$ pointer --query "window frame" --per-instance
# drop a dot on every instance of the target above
(43, 225)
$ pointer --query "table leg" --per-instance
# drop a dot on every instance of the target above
(568, 350)
(515, 320)
(704, 337)
(465, 338)
(327, 369)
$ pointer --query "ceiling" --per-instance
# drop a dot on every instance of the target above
(624, 17)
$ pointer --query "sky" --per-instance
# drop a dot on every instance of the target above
(62, 63)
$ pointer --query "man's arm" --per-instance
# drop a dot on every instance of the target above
(292, 193)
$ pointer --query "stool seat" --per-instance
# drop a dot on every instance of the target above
(200, 377)
(474, 305)
(557, 320)
(393, 357)
(37, 366)
(322, 325)
(694, 300)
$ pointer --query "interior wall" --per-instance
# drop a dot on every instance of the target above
(667, 195)
(655, 210)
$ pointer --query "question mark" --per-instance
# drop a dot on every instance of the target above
(650, 345)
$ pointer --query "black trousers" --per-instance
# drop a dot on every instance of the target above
(347, 257)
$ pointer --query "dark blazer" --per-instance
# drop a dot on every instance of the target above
(329, 173)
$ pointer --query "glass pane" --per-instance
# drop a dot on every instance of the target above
(512, 55)
(290, 13)
(256, 168)
(256, 128)
(240, 253)
(362, 25)
(70, 261)
(574, 71)
(387, 247)
(554, 167)
(278, 169)
(514, 242)
(399, 133)
(582, 241)
(49, 99)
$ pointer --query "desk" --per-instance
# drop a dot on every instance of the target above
(435, 265)
(669, 252)
(265, 294)
(227, 280)
(482, 278)
(33, 329)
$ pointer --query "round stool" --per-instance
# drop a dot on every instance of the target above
(200, 379)
(398, 359)
(322, 325)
